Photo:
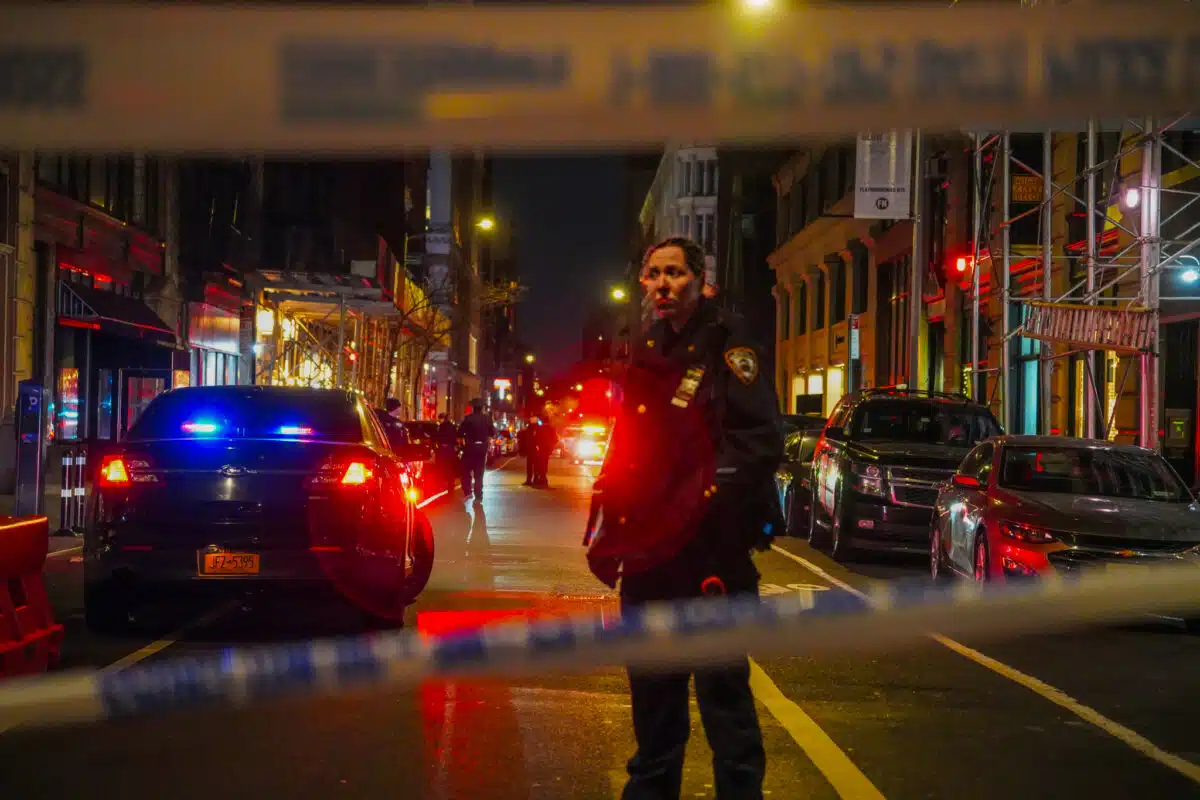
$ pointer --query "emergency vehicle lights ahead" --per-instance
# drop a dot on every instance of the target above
(199, 427)
(295, 430)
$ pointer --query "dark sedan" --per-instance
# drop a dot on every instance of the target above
(224, 488)
(793, 480)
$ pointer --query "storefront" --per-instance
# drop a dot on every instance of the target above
(112, 356)
(214, 336)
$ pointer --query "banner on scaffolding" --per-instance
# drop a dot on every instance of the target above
(883, 175)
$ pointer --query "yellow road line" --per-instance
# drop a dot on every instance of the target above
(1055, 695)
(157, 646)
(842, 773)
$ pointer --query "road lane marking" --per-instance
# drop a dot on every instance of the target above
(1044, 690)
(1088, 714)
(429, 500)
(158, 645)
(64, 552)
(842, 773)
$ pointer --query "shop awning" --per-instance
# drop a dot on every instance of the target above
(112, 313)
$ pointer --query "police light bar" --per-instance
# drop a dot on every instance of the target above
(199, 427)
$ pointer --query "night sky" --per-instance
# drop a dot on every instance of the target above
(568, 230)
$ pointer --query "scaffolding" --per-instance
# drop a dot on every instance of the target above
(1130, 241)
(327, 332)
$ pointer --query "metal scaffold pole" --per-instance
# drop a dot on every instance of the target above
(341, 342)
(1005, 275)
(1090, 407)
(917, 268)
(1045, 364)
(977, 234)
(1149, 275)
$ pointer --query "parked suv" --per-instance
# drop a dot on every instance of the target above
(878, 464)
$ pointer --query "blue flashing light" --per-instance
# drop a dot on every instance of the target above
(295, 430)
(199, 427)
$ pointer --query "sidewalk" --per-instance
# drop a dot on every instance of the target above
(52, 512)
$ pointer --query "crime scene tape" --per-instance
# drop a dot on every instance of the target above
(690, 634)
(343, 80)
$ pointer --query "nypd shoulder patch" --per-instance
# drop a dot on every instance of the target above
(743, 362)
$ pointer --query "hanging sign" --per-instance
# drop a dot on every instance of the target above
(883, 175)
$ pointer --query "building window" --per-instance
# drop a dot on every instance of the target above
(802, 309)
(785, 314)
(708, 232)
(685, 183)
(859, 302)
(697, 177)
(837, 280)
(710, 177)
(819, 311)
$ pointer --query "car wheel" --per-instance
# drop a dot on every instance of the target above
(108, 607)
(789, 515)
(842, 548)
(420, 557)
(937, 564)
(818, 537)
(980, 559)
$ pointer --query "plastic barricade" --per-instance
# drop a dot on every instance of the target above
(30, 639)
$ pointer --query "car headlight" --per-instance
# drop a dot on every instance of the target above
(1027, 533)
(867, 478)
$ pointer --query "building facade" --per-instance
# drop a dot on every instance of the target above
(843, 284)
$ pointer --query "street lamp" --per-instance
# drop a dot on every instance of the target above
(579, 387)
(485, 223)
(618, 294)
(529, 359)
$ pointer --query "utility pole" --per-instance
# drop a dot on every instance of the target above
(1090, 407)
(917, 267)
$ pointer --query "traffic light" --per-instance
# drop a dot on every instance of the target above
(963, 264)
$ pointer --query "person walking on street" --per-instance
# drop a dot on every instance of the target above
(683, 499)
(527, 449)
(477, 432)
(547, 440)
(446, 441)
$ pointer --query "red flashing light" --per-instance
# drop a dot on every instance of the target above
(962, 264)
(113, 472)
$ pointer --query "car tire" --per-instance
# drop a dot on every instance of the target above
(980, 558)
(840, 543)
(421, 552)
(818, 537)
(108, 607)
(938, 571)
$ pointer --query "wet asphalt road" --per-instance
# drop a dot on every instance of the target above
(1098, 714)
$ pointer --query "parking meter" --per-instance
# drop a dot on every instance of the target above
(30, 425)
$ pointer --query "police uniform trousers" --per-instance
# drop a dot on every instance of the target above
(661, 722)
(474, 463)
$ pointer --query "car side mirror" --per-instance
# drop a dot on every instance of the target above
(413, 452)
(837, 434)
(966, 482)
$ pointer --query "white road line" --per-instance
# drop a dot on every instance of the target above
(1055, 695)
(843, 775)
(64, 552)
(429, 500)
(157, 646)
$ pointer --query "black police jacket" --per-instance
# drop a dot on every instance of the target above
(477, 432)
(686, 487)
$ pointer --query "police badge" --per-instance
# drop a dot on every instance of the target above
(743, 362)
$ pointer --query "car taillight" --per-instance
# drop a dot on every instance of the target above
(356, 474)
(113, 472)
(413, 494)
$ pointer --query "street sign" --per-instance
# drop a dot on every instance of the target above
(854, 343)
(1026, 189)
(883, 175)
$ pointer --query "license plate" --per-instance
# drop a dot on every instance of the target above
(229, 564)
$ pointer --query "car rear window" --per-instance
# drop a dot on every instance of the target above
(192, 413)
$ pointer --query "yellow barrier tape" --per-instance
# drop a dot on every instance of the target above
(353, 80)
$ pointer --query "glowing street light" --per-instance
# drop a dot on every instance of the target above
(529, 358)
(757, 5)
(579, 387)
(1133, 196)
(618, 294)
(485, 223)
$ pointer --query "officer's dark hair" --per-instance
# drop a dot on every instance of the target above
(693, 254)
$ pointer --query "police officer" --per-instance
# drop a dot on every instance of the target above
(446, 438)
(685, 496)
(477, 432)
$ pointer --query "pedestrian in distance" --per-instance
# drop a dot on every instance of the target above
(446, 438)
(526, 448)
(477, 432)
(683, 499)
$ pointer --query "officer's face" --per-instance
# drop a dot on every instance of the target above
(674, 289)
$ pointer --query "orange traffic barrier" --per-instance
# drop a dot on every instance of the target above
(30, 639)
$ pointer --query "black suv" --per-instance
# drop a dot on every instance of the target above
(879, 461)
